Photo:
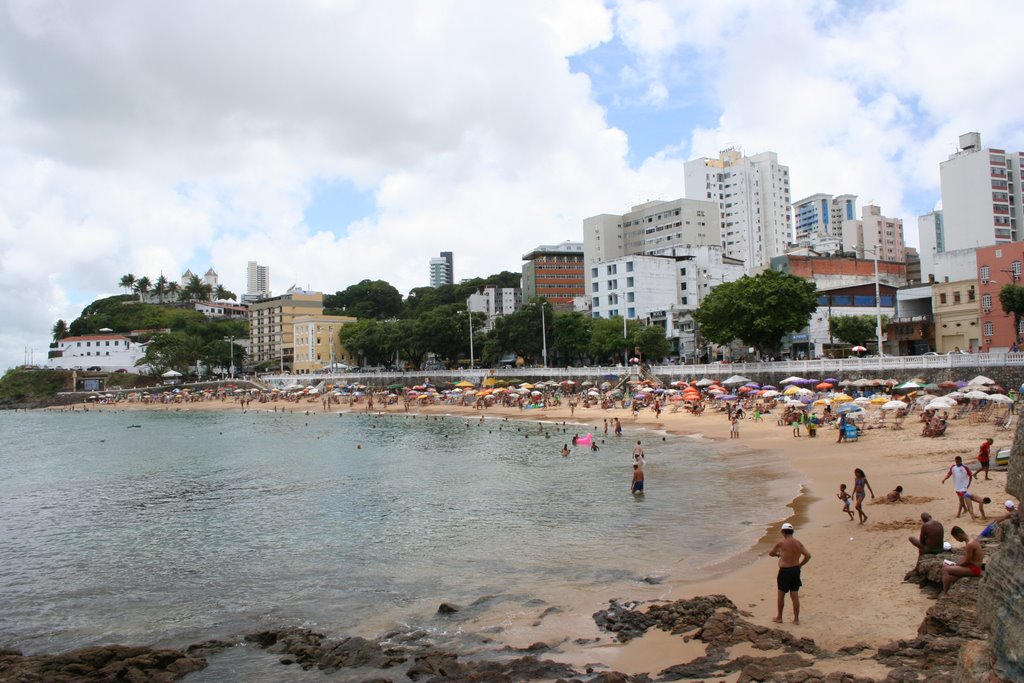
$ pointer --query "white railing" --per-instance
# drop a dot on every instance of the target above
(897, 366)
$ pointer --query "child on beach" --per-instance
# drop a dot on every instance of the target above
(734, 428)
(846, 498)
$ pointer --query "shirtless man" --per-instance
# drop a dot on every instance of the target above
(792, 555)
(929, 542)
(971, 565)
(638, 454)
(970, 500)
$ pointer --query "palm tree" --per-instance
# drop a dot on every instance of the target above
(221, 293)
(127, 282)
(142, 286)
(196, 290)
(160, 288)
(174, 290)
(60, 330)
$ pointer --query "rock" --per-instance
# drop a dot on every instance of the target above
(101, 663)
(309, 649)
(767, 668)
(447, 608)
(442, 667)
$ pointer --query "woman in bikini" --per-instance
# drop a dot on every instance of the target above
(860, 480)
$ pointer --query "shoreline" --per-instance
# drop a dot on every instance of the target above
(853, 565)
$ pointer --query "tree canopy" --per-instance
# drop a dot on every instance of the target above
(854, 329)
(1011, 298)
(758, 310)
(365, 299)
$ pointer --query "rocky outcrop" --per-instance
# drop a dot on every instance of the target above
(1001, 599)
(100, 664)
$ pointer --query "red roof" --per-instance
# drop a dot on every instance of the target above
(95, 337)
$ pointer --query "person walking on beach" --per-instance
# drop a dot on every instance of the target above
(638, 480)
(792, 556)
(984, 453)
(618, 427)
(842, 428)
(845, 497)
(734, 428)
(860, 480)
(962, 476)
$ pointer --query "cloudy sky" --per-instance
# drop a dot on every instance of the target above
(336, 140)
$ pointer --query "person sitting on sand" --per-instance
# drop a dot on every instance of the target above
(929, 542)
(972, 564)
(895, 496)
(792, 556)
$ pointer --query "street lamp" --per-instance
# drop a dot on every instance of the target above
(544, 334)
(878, 303)
(469, 314)
(231, 369)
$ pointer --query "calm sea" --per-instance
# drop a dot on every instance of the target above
(198, 525)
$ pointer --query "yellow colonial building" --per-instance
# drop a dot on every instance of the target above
(271, 326)
(317, 343)
(955, 307)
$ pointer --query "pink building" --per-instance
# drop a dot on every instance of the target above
(998, 265)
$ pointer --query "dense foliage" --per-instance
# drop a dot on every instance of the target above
(21, 386)
(855, 329)
(1011, 298)
(758, 310)
(122, 313)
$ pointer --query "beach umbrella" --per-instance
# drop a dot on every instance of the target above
(705, 382)
(947, 385)
(879, 400)
(861, 400)
(679, 383)
(976, 395)
(587, 383)
(940, 403)
(606, 385)
(801, 391)
(736, 379)
(1000, 398)
(931, 386)
(791, 380)
(893, 405)
(793, 403)
(526, 385)
(821, 402)
(824, 385)
(727, 397)
(858, 349)
(770, 393)
(910, 385)
(849, 408)
(831, 380)
(769, 387)
(842, 398)
(790, 390)
(982, 379)
(753, 385)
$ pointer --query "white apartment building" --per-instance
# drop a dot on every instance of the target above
(753, 200)
(107, 351)
(219, 309)
(257, 282)
(495, 301)
(633, 286)
(931, 236)
(818, 219)
(981, 196)
(650, 227)
(875, 234)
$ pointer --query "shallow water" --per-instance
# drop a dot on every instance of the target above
(202, 525)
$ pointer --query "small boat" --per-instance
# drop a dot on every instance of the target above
(1002, 457)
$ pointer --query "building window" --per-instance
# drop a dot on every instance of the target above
(942, 298)
(970, 294)
(956, 296)
(612, 269)
(986, 301)
(984, 274)
(1015, 269)
(629, 282)
(629, 266)
(987, 329)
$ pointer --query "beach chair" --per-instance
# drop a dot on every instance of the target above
(850, 432)
(1005, 424)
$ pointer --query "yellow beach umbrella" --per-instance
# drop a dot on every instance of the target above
(841, 398)
(464, 384)
(879, 400)
(790, 390)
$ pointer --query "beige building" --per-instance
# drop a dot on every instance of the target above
(317, 343)
(955, 308)
(271, 326)
(875, 234)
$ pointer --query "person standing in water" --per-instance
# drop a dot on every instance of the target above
(638, 480)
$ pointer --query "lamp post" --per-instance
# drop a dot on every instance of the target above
(231, 368)
(878, 307)
(544, 334)
(469, 314)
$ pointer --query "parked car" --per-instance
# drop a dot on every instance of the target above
(93, 368)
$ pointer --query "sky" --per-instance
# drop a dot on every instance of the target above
(338, 140)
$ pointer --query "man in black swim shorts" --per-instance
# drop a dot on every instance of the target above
(792, 555)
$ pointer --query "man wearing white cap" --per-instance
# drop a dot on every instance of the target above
(792, 555)
(993, 527)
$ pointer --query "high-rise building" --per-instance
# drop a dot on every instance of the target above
(982, 203)
(875, 234)
(271, 329)
(650, 228)
(257, 282)
(442, 269)
(753, 199)
(555, 272)
(495, 301)
(932, 238)
(818, 220)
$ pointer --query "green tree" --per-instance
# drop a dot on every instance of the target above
(160, 288)
(59, 330)
(1011, 298)
(653, 344)
(607, 343)
(520, 332)
(570, 338)
(855, 329)
(366, 299)
(196, 290)
(446, 331)
(758, 310)
(173, 290)
(369, 340)
(221, 293)
(142, 286)
(127, 282)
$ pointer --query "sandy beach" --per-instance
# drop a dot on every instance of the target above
(853, 586)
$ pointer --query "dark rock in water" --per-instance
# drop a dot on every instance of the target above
(310, 649)
(766, 668)
(442, 667)
(676, 617)
(653, 580)
(208, 647)
(101, 663)
(447, 608)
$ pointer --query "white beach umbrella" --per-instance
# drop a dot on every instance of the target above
(795, 404)
(771, 393)
(1000, 398)
(736, 379)
(982, 379)
(792, 380)
(803, 392)
(976, 395)
(705, 382)
(893, 405)
(941, 403)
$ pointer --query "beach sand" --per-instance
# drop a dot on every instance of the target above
(853, 586)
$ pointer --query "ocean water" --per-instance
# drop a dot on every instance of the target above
(200, 525)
